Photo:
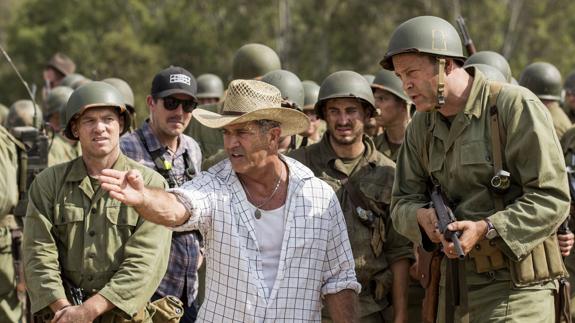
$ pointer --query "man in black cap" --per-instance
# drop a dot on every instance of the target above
(161, 145)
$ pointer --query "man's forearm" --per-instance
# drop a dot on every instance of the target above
(343, 306)
(162, 208)
(400, 270)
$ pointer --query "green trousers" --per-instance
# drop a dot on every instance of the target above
(10, 305)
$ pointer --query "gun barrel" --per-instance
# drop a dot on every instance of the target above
(457, 245)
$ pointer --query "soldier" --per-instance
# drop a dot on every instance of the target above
(362, 177)
(210, 89)
(128, 94)
(316, 125)
(11, 310)
(506, 206)
(161, 145)
(58, 67)
(74, 80)
(88, 258)
(569, 100)
(251, 61)
(393, 105)
(493, 59)
(544, 80)
(62, 149)
(24, 113)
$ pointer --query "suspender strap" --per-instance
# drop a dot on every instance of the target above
(159, 162)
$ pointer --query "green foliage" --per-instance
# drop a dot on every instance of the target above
(133, 39)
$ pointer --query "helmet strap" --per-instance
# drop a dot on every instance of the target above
(441, 83)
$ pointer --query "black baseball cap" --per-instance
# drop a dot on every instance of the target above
(174, 80)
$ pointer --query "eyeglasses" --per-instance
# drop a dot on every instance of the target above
(171, 103)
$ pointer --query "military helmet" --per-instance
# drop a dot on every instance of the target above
(424, 34)
(345, 84)
(569, 84)
(210, 86)
(21, 114)
(57, 99)
(491, 58)
(543, 79)
(93, 95)
(254, 60)
(124, 89)
(388, 81)
(491, 73)
(311, 92)
(369, 78)
(72, 79)
(289, 85)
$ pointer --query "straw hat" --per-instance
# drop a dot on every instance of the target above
(250, 100)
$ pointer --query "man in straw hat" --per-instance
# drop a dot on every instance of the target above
(276, 239)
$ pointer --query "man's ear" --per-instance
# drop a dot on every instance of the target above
(450, 65)
(150, 102)
(275, 134)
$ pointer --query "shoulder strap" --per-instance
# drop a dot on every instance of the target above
(498, 137)
(160, 164)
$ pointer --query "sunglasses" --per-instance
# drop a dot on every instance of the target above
(171, 103)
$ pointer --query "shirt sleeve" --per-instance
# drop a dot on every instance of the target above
(533, 156)
(198, 197)
(410, 186)
(339, 266)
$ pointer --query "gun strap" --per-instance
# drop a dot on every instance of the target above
(498, 138)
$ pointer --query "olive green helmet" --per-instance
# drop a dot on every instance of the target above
(210, 86)
(21, 114)
(289, 85)
(311, 92)
(424, 34)
(93, 95)
(3, 114)
(72, 79)
(491, 73)
(369, 78)
(491, 58)
(543, 79)
(254, 60)
(569, 84)
(56, 100)
(345, 84)
(388, 81)
(124, 89)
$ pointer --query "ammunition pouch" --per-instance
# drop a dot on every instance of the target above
(543, 264)
(167, 309)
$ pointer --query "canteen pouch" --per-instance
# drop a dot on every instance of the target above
(169, 309)
(544, 263)
(487, 257)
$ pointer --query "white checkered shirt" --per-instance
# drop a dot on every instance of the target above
(316, 257)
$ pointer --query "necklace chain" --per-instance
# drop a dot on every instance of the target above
(271, 195)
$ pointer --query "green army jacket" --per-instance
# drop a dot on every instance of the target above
(372, 179)
(62, 151)
(101, 245)
(561, 121)
(211, 140)
(460, 159)
(383, 146)
(8, 172)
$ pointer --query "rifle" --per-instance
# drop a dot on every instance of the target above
(445, 217)
(469, 46)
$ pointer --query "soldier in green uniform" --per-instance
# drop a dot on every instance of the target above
(76, 235)
(24, 113)
(210, 89)
(316, 125)
(507, 209)
(568, 145)
(62, 149)
(492, 59)
(362, 177)
(393, 106)
(251, 61)
(544, 79)
(56, 69)
(569, 98)
(10, 304)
